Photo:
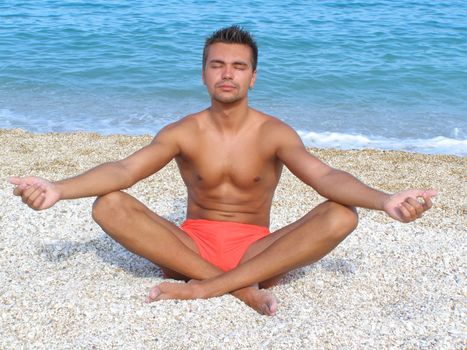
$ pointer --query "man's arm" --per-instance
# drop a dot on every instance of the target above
(40, 194)
(342, 187)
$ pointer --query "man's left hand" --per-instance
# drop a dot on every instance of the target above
(407, 206)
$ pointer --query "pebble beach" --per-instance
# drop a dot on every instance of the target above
(64, 284)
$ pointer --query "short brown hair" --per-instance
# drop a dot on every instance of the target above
(232, 35)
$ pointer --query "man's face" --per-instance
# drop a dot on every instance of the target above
(228, 73)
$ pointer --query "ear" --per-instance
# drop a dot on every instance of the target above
(253, 80)
(203, 77)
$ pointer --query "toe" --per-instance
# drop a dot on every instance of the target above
(153, 294)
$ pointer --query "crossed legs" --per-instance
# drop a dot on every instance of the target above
(145, 233)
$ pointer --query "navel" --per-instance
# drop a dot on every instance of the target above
(257, 179)
(198, 177)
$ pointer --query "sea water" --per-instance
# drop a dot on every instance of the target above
(346, 74)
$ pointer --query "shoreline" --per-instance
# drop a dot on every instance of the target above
(345, 147)
(65, 284)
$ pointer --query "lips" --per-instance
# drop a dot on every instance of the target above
(226, 86)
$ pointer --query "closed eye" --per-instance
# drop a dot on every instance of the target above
(240, 66)
(216, 64)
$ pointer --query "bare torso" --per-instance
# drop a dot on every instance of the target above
(230, 176)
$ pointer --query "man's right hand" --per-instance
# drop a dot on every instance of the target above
(37, 193)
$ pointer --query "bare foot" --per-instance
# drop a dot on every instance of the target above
(262, 301)
(179, 291)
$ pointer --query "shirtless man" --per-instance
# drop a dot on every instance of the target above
(230, 157)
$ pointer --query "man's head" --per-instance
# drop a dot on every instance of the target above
(229, 65)
(232, 35)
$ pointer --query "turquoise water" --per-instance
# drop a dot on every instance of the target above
(348, 74)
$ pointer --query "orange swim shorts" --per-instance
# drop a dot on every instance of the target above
(223, 243)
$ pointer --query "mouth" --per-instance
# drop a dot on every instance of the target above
(226, 86)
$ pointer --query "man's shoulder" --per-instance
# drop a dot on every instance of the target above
(179, 130)
(273, 125)
(188, 123)
(276, 134)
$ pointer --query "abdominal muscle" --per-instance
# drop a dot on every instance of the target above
(253, 208)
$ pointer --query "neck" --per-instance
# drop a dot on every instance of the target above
(229, 116)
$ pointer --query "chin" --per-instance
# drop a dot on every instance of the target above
(225, 99)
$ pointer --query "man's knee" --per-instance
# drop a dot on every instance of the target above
(344, 219)
(350, 218)
(108, 206)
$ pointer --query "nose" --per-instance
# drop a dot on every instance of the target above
(227, 73)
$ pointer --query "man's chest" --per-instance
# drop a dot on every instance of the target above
(244, 165)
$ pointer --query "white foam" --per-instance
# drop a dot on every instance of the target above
(436, 145)
(149, 124)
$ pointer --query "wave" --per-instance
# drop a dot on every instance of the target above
(435, 145)
(143, 124)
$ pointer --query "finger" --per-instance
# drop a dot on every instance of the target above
(18, 190)
(14, 180)
(412, 212)
(24, 192)
(416, 205)
(37, 197)
(405, 213)
(30, 194)
(37, 204)
(428, 203)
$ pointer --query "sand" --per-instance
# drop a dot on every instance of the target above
(65, 285)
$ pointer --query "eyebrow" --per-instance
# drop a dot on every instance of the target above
(243, 63)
